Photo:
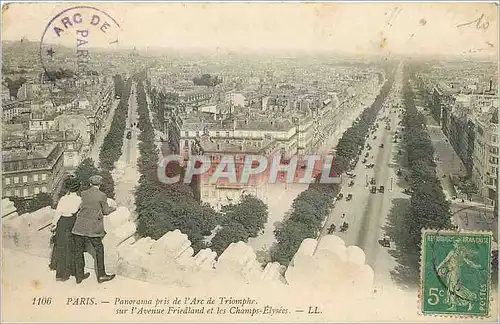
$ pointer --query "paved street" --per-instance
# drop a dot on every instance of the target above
(366, 213)
(126, 175)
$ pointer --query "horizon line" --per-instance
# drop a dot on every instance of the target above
(263, 50)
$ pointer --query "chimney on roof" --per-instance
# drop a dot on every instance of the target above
(491, 85)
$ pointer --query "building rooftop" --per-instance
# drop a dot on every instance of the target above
(209, 146)
(23, 154)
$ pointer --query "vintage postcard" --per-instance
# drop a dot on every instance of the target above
(249, 162)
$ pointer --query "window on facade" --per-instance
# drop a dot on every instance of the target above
(44, 177)
(25, 179)
(8, 193)
(217, 134)
(205, 193)
(186, 143)
(44, 189)
(186, 134)
(16, 193)
(35, 177)
(16, 179)
(7, 181)
(25, 192)
(227, 134)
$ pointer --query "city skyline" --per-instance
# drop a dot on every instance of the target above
(393, 28)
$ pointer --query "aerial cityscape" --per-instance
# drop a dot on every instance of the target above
(414, 140)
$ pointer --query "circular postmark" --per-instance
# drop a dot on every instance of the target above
(77, 43)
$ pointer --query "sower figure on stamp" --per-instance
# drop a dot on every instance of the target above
(458, 294)
(89, 225)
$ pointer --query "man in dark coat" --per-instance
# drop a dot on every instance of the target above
(89, 226)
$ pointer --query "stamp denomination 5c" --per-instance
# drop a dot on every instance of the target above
(455, 273)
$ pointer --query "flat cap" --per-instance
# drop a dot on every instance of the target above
(95, 180)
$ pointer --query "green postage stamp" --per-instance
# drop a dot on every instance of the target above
(455, 273)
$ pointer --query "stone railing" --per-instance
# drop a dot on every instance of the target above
(171, 259)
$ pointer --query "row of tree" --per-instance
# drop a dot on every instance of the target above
(428, 205)
(111, 148)
(163, 208)
(312, 206)
(119, 85)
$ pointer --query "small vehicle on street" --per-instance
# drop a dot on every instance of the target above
(344, 227)
(364, 161)
(372, 181)
(381, 146)
(340, 196)
(350, 175)
(332, 229)
(367, 154)
(369, 166)
(399, 152)
(381, 189)
(373, 189)
(375, 137)
(129, 135)
(349, 197)
(399, 172)
(351, 183)
(407, 191)
(385, 241)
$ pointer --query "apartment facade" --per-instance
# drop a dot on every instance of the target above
(223, 191)
(485, 170)
(29, 171)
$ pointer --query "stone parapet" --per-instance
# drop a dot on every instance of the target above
(326, 263)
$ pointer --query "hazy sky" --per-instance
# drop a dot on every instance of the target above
(427, 28)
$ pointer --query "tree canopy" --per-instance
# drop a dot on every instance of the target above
(240, 221)
(111, 148)
(39, 201)
(162, 208)
(207, 80)
(428, 205)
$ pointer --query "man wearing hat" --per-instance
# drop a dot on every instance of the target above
(89, 225)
